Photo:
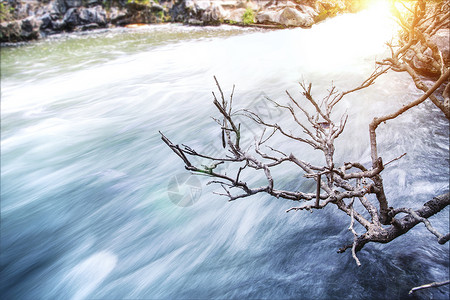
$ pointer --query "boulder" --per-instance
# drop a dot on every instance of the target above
(423, 63)
(71, 18)
(116, 16)
(30, 29)
(293, 17)
(60, 7)
(73, 3)
(10, 31)
(139, 13)
(214, 15)
(88, 27)
(442, 41)
(289, 16)
(20, 30)
(90, 3)
(157, 8)
(235, 15)
(93, 15)
(46, 21)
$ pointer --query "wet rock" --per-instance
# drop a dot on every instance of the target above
(195, 22)
(88, 27)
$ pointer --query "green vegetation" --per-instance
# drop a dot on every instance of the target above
(248, 17)
(6, 12)
(160, 15)
(142, 2)
(327, 13)
(332, 9)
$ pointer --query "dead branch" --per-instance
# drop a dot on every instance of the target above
(428, 285)
(335, 184)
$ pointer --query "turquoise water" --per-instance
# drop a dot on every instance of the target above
(86, 204)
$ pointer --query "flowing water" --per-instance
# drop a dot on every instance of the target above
(88, 188)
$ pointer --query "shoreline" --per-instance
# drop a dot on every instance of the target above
(28, 20)
(125, 29)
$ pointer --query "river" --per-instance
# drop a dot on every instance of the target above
(88, 189)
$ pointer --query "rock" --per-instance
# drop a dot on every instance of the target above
(88, 27)
(195, 22)
(46, 21)
(73, 3)
(139, 13)
(423, 63)
(71, 18)
(116, 15)
(60, 7)
(10, 31)
(329, 5)
(157, 8)
(442, 41)
(58, 25)
(235, 15)
(92, 15)
(20, 30)
(23, 11)
(30, 28)
(91, 3)
(292, 17)
(214, 15)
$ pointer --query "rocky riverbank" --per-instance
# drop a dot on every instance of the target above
(24, 20)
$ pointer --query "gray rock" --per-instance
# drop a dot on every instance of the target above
(90, 3)
(10, 31)
(195, 22)
(46, 21)
(157, 8)
(442, 41)
(20, 30)
(88, 27)
(116, 15)
(92, 15)
(58, 25)
(267, 17)
(424, 65)
(71, 18)
(30, 28)
(60, 7)
(235, 15)
(292, 17)
(73, 3)
(214, 15)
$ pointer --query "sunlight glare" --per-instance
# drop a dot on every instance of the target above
(349, 37)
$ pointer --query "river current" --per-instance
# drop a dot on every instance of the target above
(90, 194)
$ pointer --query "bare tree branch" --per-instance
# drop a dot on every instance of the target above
(428, 285)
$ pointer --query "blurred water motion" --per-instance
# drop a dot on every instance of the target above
(85, 210)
